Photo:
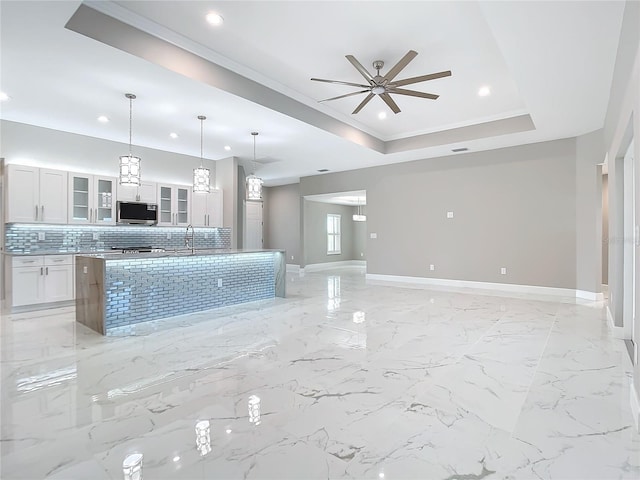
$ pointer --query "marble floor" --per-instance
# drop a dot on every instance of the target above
(341, 379)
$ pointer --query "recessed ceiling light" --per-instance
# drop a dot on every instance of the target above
(4, 97)
(103, 119)
(214, 18)
(227, 148)
(173, 135)
(484, 91)
(382, 115)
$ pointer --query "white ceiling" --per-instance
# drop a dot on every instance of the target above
(552, 61)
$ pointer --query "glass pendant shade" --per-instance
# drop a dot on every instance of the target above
(201, 180)
(254, 187)
(254, 183)
(129, 170)
(130, 165)
(358, 217)
(201, 175)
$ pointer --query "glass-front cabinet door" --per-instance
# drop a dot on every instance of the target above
(79, 209)
(91, 199)
(182, 209)
(166, 212)
(104, 195)
(174, 204)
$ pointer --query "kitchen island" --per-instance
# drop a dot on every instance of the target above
(115, 291)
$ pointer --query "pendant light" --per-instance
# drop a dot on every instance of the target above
(130, 165)
(201, 175)
(254, 183)
(359, 217)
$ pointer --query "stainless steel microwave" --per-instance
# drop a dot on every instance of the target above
(137, 213)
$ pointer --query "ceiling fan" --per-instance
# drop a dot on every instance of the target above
(383, 86)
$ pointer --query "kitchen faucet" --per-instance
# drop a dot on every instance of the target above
(186, 238)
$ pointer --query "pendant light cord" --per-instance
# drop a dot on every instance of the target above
(130, 122)
(201, 135)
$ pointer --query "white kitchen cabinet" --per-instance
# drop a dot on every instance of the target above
(41, 279)
(174, 205)
(206, 209)
(36, 195)
(148, 192)
(91, 199)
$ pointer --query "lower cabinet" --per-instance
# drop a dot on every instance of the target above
(41, 279)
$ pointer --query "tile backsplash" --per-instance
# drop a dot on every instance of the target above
(32, 238)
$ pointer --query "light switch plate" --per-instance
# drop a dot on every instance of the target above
(373, 235)
(449, 214)
(432, 267)
(503, 271)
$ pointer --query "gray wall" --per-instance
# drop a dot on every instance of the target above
(315, 232)
(605, 229)
(282, 220)
(589, 153)
(513, 207)
(360, 236)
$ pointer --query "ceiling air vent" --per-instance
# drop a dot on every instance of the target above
(323, 170)
(456, 150)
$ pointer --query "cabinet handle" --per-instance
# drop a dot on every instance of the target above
(42, 215)
(46, 269)
(41, 270)
(95, 216)
(36, 213)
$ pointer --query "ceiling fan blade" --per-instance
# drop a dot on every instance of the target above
(363, 103)
(338, 82)
(360, 68)
(347, 95)
(404, 61)
(413, 93)
(389, 101)
(421, 78)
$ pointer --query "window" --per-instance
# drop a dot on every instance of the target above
(333, 234)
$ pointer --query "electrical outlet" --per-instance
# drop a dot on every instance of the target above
(432, 267)
(206, 235)
(503, 271)
(219, 282)
(96, 236)
(449, 214)
(168, 236)
(373, 235)
(40, 236)
(291, 257)
(361, 254)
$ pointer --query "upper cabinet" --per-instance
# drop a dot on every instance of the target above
(206, 209)
(36, 195)
(174, 205)
(147, 192)
(92, 199)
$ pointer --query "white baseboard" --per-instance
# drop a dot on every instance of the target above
(635, 407)
(293, 268)
(593, 296)
(499, 287)
(616, 332)
(317, 267)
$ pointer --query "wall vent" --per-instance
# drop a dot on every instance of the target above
(464, 149)
(323, 170)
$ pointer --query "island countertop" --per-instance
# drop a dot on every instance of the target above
(118, 290)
